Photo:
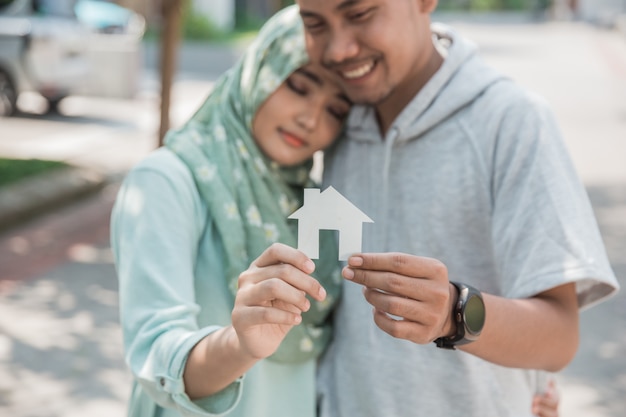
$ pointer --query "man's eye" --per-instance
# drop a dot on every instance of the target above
(313, 26)
(361, 15)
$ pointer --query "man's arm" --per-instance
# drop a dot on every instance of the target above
(539, 332)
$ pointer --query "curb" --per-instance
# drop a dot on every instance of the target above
(31, 197)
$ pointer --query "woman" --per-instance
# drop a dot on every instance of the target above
(193, 216)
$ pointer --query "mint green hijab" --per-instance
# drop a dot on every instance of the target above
(249, 196)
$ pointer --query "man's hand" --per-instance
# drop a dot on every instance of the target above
(271, 298)
(414, 289)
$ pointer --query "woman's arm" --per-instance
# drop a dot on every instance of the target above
(270, 299)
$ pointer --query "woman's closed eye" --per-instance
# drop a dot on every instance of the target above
(297, 86)
(307, 84)
(338, 113)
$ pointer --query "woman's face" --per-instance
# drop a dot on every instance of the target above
(304, 115)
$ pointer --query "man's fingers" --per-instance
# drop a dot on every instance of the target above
(400, 263)
(280, 253)
(419, 289)
(403, 329)
(403, 307)
(386, 281)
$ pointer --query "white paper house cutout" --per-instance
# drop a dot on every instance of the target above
(329, 210)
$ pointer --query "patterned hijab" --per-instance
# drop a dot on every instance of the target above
(249, 196)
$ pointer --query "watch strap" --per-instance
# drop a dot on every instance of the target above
(462, 334)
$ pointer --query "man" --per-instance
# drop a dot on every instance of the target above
(478, 211)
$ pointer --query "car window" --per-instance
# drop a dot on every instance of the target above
(63, 8)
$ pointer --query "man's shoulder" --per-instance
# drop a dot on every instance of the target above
(509, 98)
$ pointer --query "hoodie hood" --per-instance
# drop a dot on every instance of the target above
(463, 77)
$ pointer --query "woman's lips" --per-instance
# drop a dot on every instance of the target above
(292, 139)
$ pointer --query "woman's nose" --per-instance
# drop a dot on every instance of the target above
(309, 116)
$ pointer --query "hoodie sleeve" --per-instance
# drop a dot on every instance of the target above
(545, 233)
(156, 224)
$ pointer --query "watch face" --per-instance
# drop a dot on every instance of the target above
(474, 314)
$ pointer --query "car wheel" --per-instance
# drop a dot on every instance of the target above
(8, 95)
(53, 105)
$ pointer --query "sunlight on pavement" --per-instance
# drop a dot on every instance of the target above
(581, 400)
(89, 254)
(63, 356)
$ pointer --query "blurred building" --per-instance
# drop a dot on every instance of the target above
(608, 13)
(603, 12)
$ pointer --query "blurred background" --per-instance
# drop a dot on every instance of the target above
(88, 88)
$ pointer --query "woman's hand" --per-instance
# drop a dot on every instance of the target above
(547, 404)
(271, 297)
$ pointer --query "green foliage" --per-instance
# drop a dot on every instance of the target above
(196, 26)
(247, 23)
(13, 170)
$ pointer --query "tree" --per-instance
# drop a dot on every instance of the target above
(171, 12)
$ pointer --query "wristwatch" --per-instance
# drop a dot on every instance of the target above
(468, 315)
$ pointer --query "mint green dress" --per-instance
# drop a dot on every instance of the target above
(189, 219)
(161, 234)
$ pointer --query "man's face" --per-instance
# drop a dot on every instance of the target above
(377, 48)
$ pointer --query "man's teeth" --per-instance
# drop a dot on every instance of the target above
(358, 72)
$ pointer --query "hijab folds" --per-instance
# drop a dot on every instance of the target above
(249, 196)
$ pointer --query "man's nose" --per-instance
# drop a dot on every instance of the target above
(342, 46)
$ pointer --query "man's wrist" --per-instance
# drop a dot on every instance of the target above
(449, 329)
(468, 317)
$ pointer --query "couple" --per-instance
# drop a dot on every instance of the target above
(478, 210)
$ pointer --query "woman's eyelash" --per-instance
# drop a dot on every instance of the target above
(339, 115)
(295, 88)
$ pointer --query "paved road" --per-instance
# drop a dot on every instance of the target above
(59, 338)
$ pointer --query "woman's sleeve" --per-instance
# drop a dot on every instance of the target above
(156, 224)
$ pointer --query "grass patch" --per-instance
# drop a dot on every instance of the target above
(13, 170)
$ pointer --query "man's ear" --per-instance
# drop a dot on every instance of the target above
(428, 6)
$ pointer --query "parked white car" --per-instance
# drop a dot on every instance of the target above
(42, 48)
(46, 48)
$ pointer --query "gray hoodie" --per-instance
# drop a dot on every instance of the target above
(473, 172)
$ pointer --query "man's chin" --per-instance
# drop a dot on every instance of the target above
(367, 98)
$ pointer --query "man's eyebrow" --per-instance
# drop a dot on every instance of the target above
(346, 4)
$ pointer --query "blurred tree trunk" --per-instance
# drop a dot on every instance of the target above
(171, 12)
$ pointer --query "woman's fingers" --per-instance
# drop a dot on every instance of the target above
(547, 404)
(280, 253)
(253, 316)
(286, 272)
(271, 292)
